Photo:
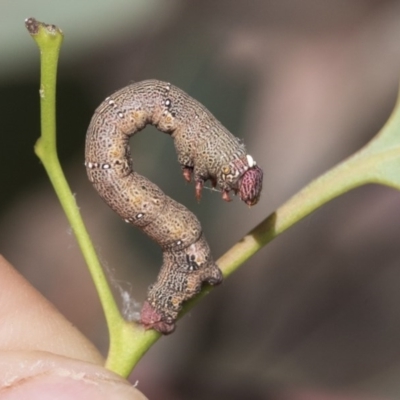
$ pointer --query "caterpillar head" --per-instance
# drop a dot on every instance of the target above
(250, 185)
(245, 177)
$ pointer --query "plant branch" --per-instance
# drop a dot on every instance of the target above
(377, 162)
(49, 39)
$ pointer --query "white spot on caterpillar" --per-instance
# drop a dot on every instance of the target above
(250, 161)
(139, 216)
(105, 166)
(121, 115)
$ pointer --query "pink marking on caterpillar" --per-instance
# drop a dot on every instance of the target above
(205, 150)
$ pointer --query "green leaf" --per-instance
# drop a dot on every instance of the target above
(381, 156)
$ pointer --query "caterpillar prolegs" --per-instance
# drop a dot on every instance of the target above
(206, 151)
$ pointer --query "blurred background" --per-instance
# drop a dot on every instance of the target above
(315, 314)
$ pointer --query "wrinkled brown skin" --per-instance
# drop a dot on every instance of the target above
(206, 151)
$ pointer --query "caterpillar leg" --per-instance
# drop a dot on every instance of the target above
(181, 277)
(199, 187)
(150, 318)
(225, 195)
(187, 173)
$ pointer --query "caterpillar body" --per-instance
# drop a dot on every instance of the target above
(206, 151)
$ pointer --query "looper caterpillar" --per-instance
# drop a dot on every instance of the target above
(205, 150)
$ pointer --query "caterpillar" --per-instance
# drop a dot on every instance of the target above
(206, 151)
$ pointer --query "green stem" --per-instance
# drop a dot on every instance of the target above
(49, 39)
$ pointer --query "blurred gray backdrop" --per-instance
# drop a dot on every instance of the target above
(313, 315)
